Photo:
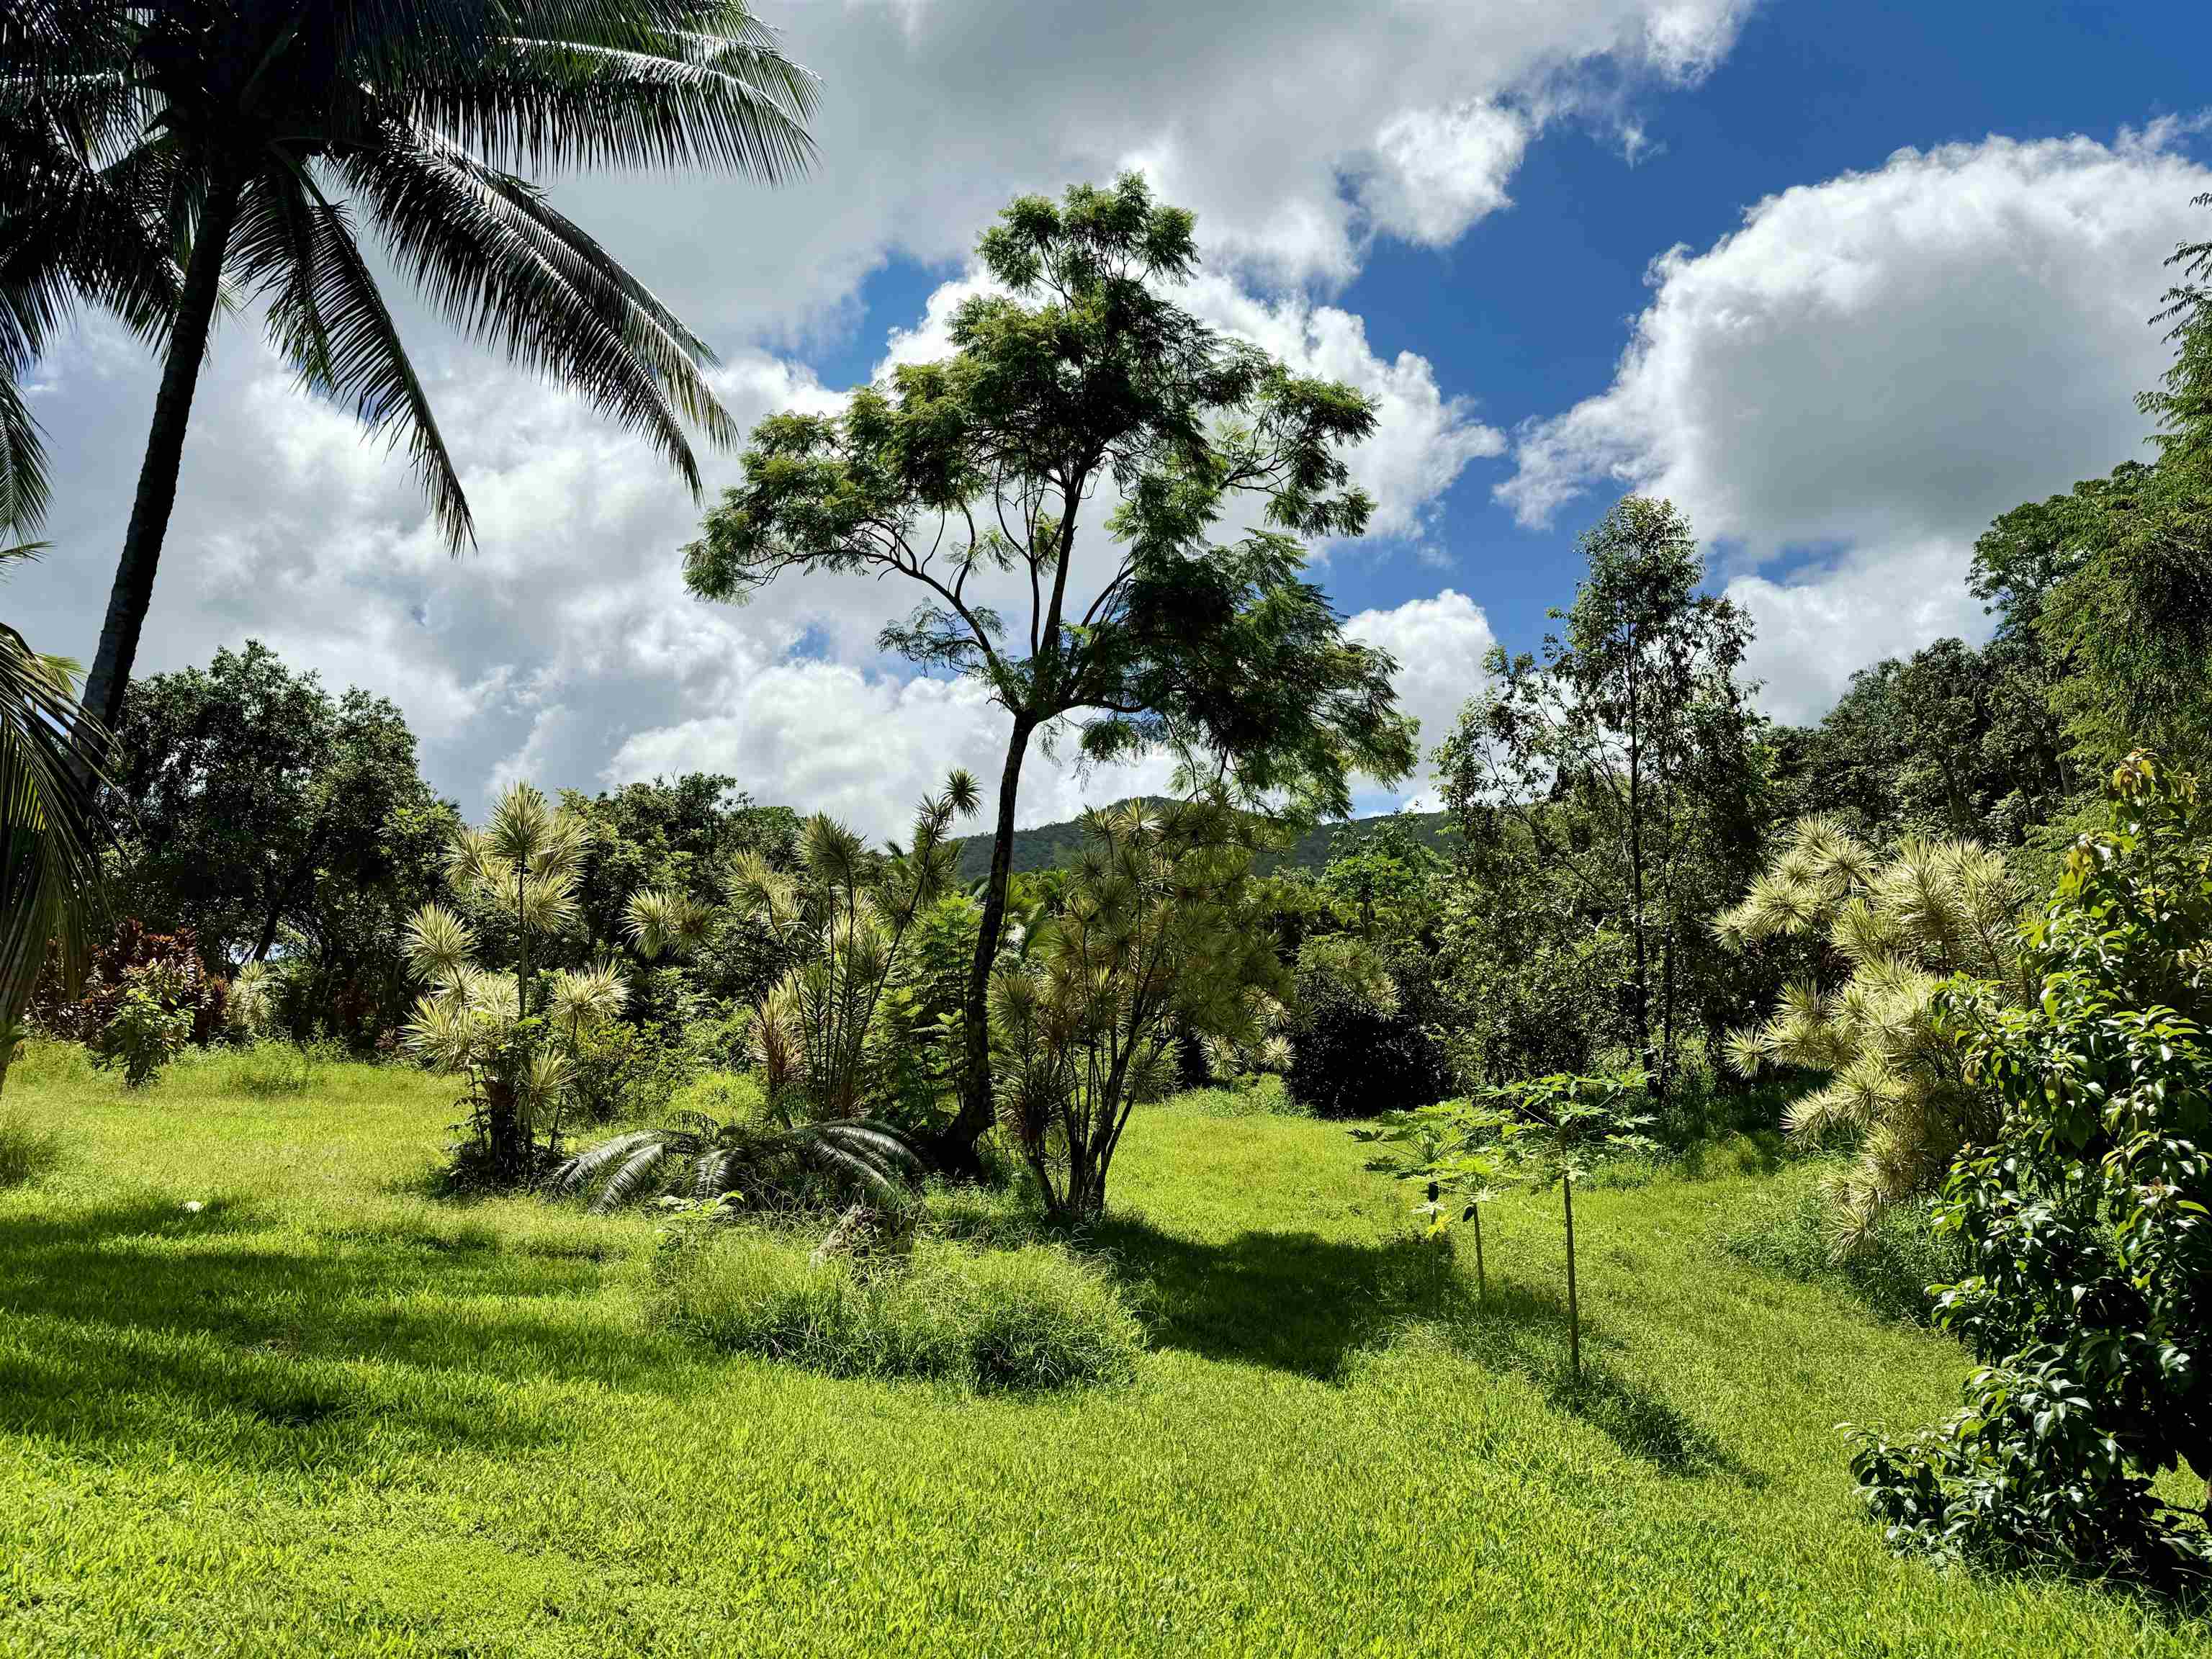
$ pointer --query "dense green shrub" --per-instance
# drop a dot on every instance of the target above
(2089, 1225)
(1790, 1226)
(148, 1025)
(182, 982)
(1029, 1318)
(621, 1071)
(1355, 1048)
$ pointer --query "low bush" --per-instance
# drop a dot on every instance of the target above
(994, 1320)
(1260, 1096)
(148, 1025)
(1792, 1226)
(118, 964)
(27, 1148)
(267, 1069)
(621, 1072)
(1350, 1058)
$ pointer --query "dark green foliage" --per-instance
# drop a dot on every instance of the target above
(2088, 1226)
(1165, 631)
(677, 836)
(617, 1071)
(1949, 742)
(264, 815)
(1633, 729)
(1354, 1054)
(1529, 977)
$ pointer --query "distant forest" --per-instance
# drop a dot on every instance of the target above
(1051, 845)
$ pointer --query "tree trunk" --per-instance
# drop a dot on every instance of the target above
(956, 1148)
(1653, 1082)
(133, 591)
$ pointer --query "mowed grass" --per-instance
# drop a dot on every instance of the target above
(330, 1414)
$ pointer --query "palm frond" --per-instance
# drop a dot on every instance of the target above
(49, 865)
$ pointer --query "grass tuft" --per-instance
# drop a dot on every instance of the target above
(1788, 1227)
(1019, 1319)
(27, 1148)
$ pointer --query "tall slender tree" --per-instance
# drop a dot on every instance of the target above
(1634, 713)
(163, 159)
(974, 478)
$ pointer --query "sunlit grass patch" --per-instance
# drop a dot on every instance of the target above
(329, 1413)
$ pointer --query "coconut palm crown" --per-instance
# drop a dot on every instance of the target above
(164, 162)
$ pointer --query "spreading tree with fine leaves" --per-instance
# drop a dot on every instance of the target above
(1058, 492)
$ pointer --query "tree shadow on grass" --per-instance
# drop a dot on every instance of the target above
(1294, 1301)
(1299, 1303)
(1520, 1330)
(141, 1323)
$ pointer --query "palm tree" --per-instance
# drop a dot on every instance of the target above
(165, 160)
(1900, 928)
(48, 864)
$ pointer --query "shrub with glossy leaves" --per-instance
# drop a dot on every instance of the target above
(2088, 1222)
(149, 1024)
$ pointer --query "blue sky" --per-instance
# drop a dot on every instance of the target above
(1913, 251)
(1528, 310)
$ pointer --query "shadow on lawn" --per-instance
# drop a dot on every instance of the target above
(1295, 1301)
(140, 1322)
(1312, 1306)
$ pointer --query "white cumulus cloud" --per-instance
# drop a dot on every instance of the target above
(1871, 369)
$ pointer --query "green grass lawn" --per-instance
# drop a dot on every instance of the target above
(329, 1413)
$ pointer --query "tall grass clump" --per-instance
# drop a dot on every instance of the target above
(995, 1320)
(268, 1069)
(27, 1148)
(1790, 1226)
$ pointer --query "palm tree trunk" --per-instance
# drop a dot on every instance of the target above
(955, 1149)
(133, 591)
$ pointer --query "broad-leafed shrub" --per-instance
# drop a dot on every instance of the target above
(182, 984)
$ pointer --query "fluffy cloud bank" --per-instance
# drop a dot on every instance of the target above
(1872, 367)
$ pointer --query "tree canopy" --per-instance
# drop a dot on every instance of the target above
(1188, 624)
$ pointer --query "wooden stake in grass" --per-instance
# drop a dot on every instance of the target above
(1574, 1308)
